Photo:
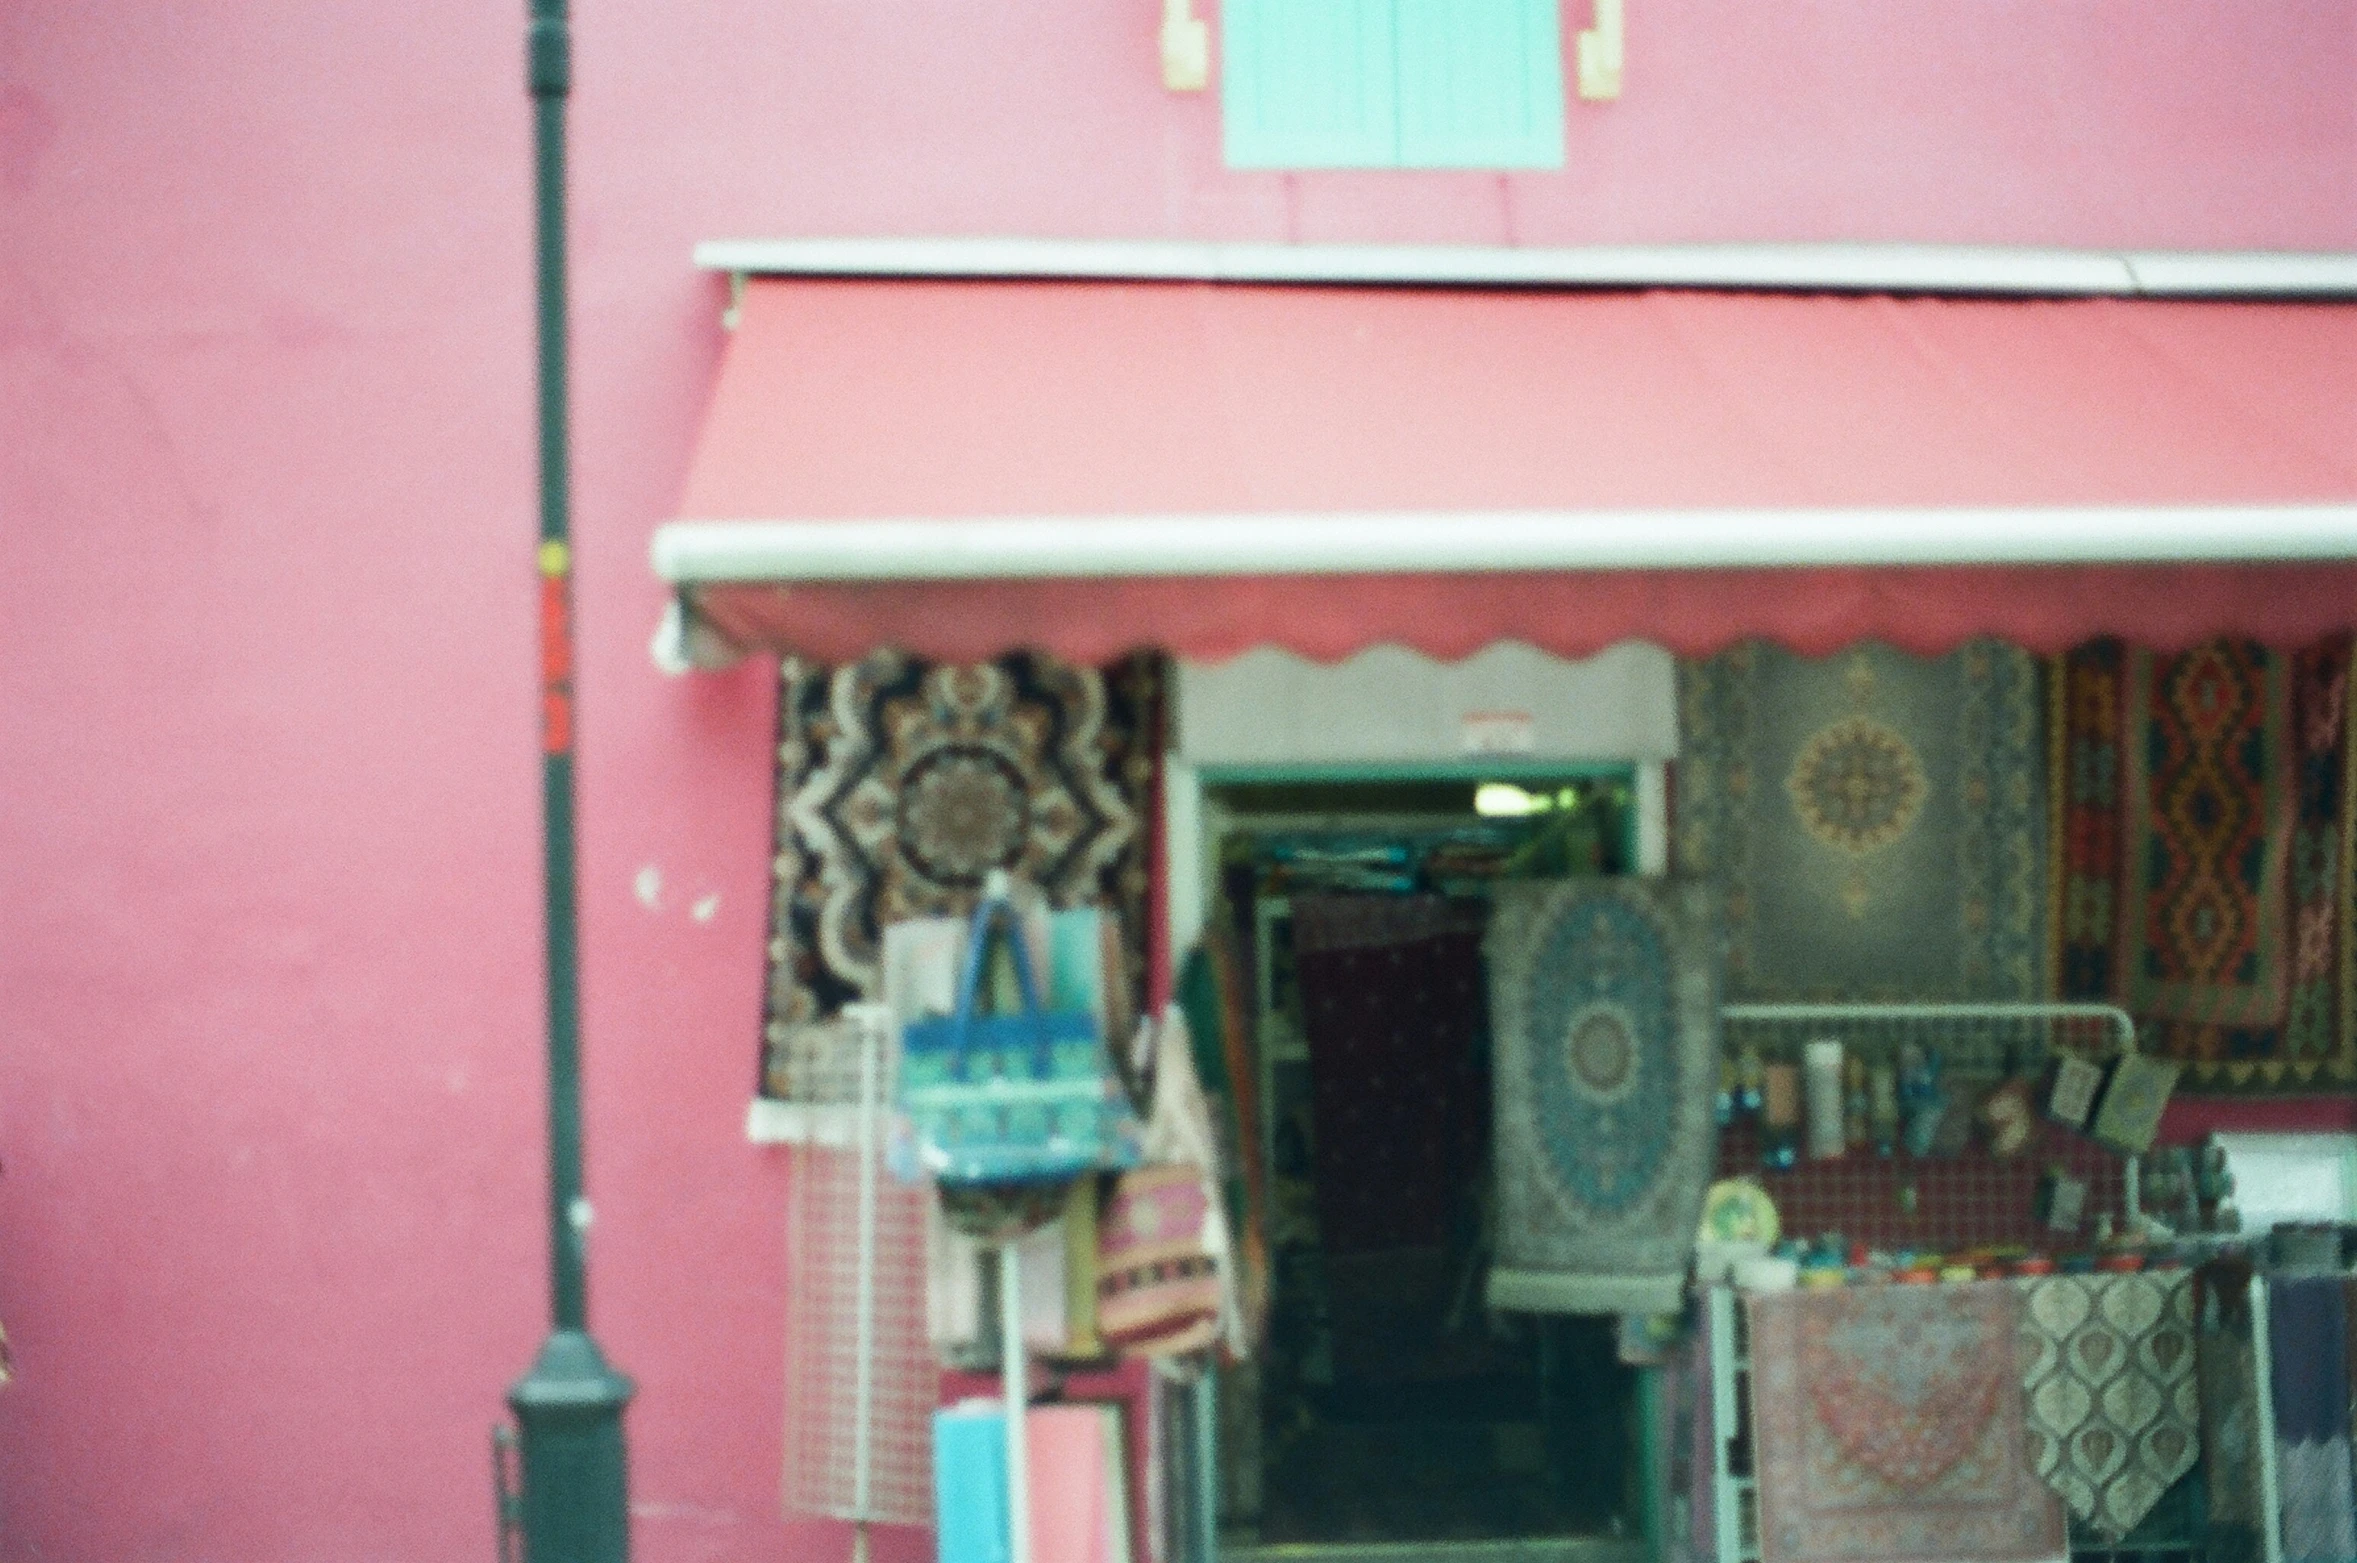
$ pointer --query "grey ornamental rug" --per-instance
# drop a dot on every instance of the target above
(1877, 820)
(1605, 1013)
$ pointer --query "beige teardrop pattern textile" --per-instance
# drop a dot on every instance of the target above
(2108, 1385)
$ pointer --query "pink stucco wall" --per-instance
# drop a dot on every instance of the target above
(270, 1240)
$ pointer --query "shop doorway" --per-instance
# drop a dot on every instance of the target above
(1390, 1408)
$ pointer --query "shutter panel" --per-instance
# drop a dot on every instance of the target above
(1480, 84)
(1308, 84)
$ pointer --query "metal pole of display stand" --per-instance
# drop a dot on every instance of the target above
(2270, 1472)
(1015, 1382)
(1206, 1536)
(871, 1020)
(1014, 1376)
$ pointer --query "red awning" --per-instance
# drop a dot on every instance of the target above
(1591, 418)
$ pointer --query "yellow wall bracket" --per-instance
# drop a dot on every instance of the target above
(1600, 54)
(1186, 48)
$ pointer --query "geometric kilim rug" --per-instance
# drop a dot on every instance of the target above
(2203, 818)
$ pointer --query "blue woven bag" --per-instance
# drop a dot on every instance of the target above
(1027, 1097)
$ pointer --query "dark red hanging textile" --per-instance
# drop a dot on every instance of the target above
(1392, 1007)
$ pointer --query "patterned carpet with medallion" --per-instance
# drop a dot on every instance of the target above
(902, 783)
(1890, 1428)
(1877, 820)
(1605, 1004)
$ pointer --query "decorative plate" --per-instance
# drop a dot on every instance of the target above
(1737, 1210)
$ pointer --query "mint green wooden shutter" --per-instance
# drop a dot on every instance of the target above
(1308, 84)
(1480, 84)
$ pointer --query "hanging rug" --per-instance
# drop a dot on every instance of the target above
(2110, 1389)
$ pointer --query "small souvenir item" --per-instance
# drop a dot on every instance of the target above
(2076, 1080)
(2216, 1181)
(1955, 1132)
(1158, 1286)
(1923, 1126)
(1029, 1097)
(1645, 1339)
(1821, 1076)
(1767, 1273)
(2304, 1248)
(1750, 1081)
(1162, 1248)
(1882, 1107)
(2008, 1119)
(1854, 1100)
(2062, 1200)
(2189, 1188)
(2217, 1190)
(1737, 1210)
(2168, 1189)
(2129, 1114)
(1780, 1114)
(1924, 1102)
(1915, 1073)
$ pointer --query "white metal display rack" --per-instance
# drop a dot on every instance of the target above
(860, 1377)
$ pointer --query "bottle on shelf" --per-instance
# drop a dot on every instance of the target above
(1882, 1106)
(1750, 1081)
(1856, 1102)
(1780, 1115)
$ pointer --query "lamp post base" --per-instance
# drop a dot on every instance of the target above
(576, 1489)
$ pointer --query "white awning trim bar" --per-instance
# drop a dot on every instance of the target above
(1834, 268)
(1002, 548)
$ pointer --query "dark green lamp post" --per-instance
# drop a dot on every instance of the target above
(575, 1501)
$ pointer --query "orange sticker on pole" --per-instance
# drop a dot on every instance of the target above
(556, 649)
